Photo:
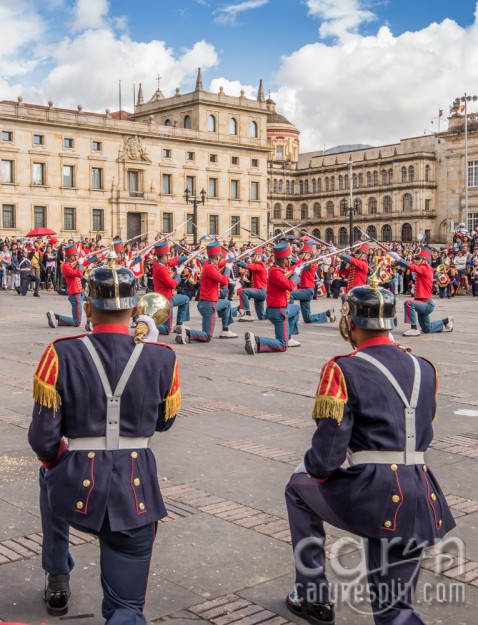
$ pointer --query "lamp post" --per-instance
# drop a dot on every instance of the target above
(465, 98)
(195, 202)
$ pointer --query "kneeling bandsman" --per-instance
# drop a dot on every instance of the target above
(165, 284)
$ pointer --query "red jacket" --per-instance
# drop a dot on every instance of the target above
(163, 280)
(73, 279)
(424, 281)
(279, 288)
(307, 277)
(258, 275)
(358, 273)
(211, 281)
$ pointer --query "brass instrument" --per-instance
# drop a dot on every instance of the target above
(442, 276)
(155, 306)
(379, 275)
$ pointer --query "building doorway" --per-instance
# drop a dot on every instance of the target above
(133, 225)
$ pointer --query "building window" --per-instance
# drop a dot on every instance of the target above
(68, 142)
(234, 160)
(346, 181)
(301, 187)
(369, 179)
(332, 183)
(360, 181)
(292, 187)
(387, 204)
(191, 184)
(167, 122)
(211, 123)
(236, 228)
(287, 186)
(372, 232)
(289, 212)
(166, 153)
(96, 178)
(98, 219)
(358, 206)
(68, 176)
(316, 233)
(411, 173)
(304, 211)
(254, 162)
(39, 216)
(343, 236)
(187, 122)
(190, 156)
(427, 173)
(212, 187)
(407, 202)
(317, 211)
(404, 174)
(406, 233)
(8, 216)
(166, 184)
(234, 189)
(38, 139)
(167, 222)
(473, 173)
(255, 225)
(232, 126)
(190, 223)
(375, 178)
(427, 205)
(7, 172)
(253, 129)
(329, 207)
(279, 152)
(134, 183)
(7, 135)
(329, 235)
(386, 233)
(319, 185)
(254, 190)
(372, 206)
(390, 176)
(327, 184)
(341, 183)
(96, 146)
(279, 186)
(213, 158)
(38, 173)
(213, 224)
(344, 207)
(354, 181)
(306, 186)
(277, 213)
(69, 219)
(384, 175)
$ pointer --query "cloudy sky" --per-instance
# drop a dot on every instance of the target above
(343, 71)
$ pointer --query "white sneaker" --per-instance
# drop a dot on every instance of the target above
(293, 343)
(182, 336)
(412, 332)
(251, 345)
(52, 320)
(177, 329)
(227, 334)
(448, 327)
(332, 317)
(247, 316)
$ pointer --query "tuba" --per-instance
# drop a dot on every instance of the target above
(155, 306)
(442, 276)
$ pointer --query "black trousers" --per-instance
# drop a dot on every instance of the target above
(25, 281)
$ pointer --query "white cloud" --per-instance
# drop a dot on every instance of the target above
(227, 15)
(340, 18)
(233, 87)
(89, 14)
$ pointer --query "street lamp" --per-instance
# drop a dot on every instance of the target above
(195, 202)
(465, 98)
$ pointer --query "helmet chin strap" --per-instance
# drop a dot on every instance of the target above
(345, 331)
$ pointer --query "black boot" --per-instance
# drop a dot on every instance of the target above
(57, 593)
(315, 613)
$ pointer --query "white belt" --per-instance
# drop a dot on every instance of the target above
(383, 457)
(99, 442)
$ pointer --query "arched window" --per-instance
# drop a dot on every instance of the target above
(390, 176)
(372, 232)
(387, 204)
(289, 212)
(346, 181)
(287, 186)
(304, 211)
(354, 181)
(279, 186)
(253, 130)
(384, 176)
(319, 185)
(274, 186)
(332, 183)
(344, 207)
(327, 184)
(316, 233)
(329, 235)
(317, 210)
(360, 181)
(268, 185)
(232, 126)
(369, 179)
(301, 187)
(292, 187)
(341, 183)
(167, 122)
(427, 173)
(411, 173)
(329, 207)
(407, 202)
(306, 186)
(211, 123)
(187, 122)
(372, 206)
(277, 214)
(358, 206)
(276, 232)
(404, 174)
(375, 178)
(386, 233)
(357, 234)
(314, 185)
(406, 233)
(343, 236)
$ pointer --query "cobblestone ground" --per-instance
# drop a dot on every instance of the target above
(223, 555)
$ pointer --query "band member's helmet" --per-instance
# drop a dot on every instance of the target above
(112, 287)
(371, 308)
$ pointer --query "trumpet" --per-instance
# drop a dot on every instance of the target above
(155, 306)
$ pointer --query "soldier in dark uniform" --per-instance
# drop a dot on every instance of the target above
(107, 396)
(375, 406)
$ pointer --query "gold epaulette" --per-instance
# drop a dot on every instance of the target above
(45, 378)
(173, 400)
(331, 394)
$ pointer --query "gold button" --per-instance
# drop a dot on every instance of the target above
(388, 524)
(424, 468)
(393, 467)
(395, 499)
(142, 506)
(134, 454)
(440, 523)
(79, 505)
(86, 483)
(137, 481)
(433, 496)
(91, 454)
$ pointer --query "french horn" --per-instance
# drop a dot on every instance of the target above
(153, 305)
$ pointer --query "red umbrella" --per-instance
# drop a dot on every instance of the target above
(39, 232)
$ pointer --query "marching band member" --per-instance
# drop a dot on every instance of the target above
(72, 271)
(357, 272)
(257, 290)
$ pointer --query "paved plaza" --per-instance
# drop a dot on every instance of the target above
(223, 555)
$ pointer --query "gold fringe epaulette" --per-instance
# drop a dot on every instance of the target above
(329, 408)
(332, 394)
(173, 400)
(45, 378)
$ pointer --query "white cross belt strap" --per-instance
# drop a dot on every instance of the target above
(112, 439)
(93, 443)
(408, 455)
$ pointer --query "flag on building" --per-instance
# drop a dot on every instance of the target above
(462, 108)
(453, 109)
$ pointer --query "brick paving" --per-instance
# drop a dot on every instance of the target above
(231, 609)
